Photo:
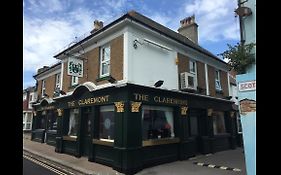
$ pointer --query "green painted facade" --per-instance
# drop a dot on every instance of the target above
(129, 153)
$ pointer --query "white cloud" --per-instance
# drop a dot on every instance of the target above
(215, 19)
(48, 6)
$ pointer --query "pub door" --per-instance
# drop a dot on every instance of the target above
(85, 131)
(197, 127)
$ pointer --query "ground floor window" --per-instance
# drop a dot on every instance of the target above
(218, 122)
(157, 122)
(27, 121)
(107, 123)
(73, 122)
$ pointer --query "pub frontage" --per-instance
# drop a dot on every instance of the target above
(130, 127)
(44, 128)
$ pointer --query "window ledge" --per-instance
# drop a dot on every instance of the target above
(73, 86)
(104, 142)
(162, 141)
(69, 138)
(107, 77)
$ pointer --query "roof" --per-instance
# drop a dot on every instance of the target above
(57, 64)
(29, 89)
(133, 15)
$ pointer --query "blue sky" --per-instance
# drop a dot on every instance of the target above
(50, 25)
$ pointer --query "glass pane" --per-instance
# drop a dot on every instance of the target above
(217, 75)
(28, 126)
(218, 85)
(192, 67)
(52, 122)
(29, 117)
(158, 122)
(107, 122)
(105, 68)
(73, 122)
(218, 122)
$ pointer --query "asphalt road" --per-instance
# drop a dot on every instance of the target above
(33, 167)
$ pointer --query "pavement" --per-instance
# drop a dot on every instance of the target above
(230, 162)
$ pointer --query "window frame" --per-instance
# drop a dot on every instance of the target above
(107, 108)
(43, 88)
(194, 65)
(74, 80)
(57, 81)
(160, 108)
(218, 80)
(105, 60)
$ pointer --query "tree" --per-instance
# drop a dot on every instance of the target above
(240, 56)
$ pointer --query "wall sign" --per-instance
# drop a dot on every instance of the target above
(75, 67)
(247, 86)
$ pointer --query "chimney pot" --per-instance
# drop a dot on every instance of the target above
(189, 28)
(97, 25)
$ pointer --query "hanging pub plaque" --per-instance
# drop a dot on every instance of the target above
(75, 67)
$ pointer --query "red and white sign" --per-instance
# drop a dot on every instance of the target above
(247, 86)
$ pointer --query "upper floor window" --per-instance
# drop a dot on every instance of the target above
(57, 85)
(30, 97)
(217, 80)
(104, 60)
(74, 80)
(43, 87)
(192, 67)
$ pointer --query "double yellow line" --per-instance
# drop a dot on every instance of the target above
(45, 165)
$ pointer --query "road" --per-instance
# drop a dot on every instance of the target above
(34, 167)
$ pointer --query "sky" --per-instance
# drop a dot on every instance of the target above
(51, 25)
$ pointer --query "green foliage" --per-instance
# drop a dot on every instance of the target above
(240, 56)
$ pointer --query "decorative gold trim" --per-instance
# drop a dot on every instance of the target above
(69, 138)
(210, 112)
(184, 110)
(119, 106)
(60, 112)
(163, 141)
(101, 142)
(135, 106)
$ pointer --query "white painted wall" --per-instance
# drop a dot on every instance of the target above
(149, 63)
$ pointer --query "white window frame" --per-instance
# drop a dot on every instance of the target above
(43, 87)
(194, 65)
(105, 61)
(217, 80)
(74, 80)
(57, 83)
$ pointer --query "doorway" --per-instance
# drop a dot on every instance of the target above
(85, 130)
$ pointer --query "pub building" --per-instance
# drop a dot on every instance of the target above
(139, 99)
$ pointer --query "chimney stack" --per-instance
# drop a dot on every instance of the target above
(97, 25)
(189, 28)
(42, 69)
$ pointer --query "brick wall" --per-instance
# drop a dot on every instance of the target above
(224, 84)
(211, 79)
(50, 85)
(201, 76)
(223, 80)
(183, 65)
(92, 65)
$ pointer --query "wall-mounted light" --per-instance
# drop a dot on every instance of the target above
(243, 11)
(135, 43)
(159, 83)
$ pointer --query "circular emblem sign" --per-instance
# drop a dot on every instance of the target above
(107, 123)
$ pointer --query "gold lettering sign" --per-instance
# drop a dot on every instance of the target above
(59, 112)
(232, 114)
(119, 106)
(184, 110)
(158, 99)
(135, 106)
